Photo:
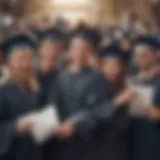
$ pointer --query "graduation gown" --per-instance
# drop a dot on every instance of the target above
(84, 93)
(14, 103)
(111, 139)
(145, 132)
(45, 81)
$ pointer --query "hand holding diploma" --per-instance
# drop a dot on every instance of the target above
(44, 122)
(125, 97)
(65, 130)
(23, 127)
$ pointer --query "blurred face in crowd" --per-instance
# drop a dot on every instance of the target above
(80, 51)
(44, 23)
(106, 41)
(144, 58)
(21, 64)
(49, 55)
(125, 44)
(112, 68)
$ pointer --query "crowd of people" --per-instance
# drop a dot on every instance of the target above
(87, 74)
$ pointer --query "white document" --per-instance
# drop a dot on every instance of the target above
(142, 101)
(44, 123)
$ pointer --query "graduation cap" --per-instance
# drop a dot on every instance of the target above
(53, 35)
(17, 42)
(147, 41)
(112, 51)
(88, 34)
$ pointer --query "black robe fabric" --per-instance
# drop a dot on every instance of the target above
(112, 138)
(84, 94)
(156, 102)
(14, 103)
(145, 132)
(45, 81)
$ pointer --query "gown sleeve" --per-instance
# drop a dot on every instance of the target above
(6, 126)
(98, 109)
(156, 99)
(54, 96)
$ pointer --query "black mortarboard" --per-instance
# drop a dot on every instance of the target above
(53, 35)
(88, 34)
(149, 41)
(112, 51)
(16, 42)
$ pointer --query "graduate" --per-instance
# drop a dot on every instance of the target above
(18, 96)
(113, 142)
(146, 135)
(78, 90)
(50, 51)
(80, 97)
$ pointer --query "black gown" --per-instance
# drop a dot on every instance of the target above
(111, 140)
(145, 132)
(46, 81)
(85, 94)
(14, 103)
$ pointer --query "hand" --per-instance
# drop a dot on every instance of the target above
(153, 113)
(125, 97)
(66, 130)
(22, 127)
(153, 72)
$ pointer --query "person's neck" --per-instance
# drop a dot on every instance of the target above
(47, 71)
(76, 67)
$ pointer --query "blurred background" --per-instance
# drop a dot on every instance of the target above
(93, 12)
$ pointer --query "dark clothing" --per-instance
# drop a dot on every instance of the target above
(127, 56)
(14, 103)
(111, 140)
(45, 81)
(85, 94)
(145, 133)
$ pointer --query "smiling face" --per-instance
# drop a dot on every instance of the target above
(49, 54)
(21, 64)
(144, 57)
(112, 68)
(80, 50)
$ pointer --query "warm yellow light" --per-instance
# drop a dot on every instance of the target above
(70, 2)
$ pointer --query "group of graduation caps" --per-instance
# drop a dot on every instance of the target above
(104, 130)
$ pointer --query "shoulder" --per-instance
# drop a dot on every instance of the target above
(156, 81)
(4, 89)
(96, 78)
(96, 75)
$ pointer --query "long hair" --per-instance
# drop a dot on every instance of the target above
(9, 77)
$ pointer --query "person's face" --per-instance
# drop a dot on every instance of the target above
(125, 44)
(80, 50)
(105, 42)
(112, 68)
(21, 64)
(49, 55)
(144, 59)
